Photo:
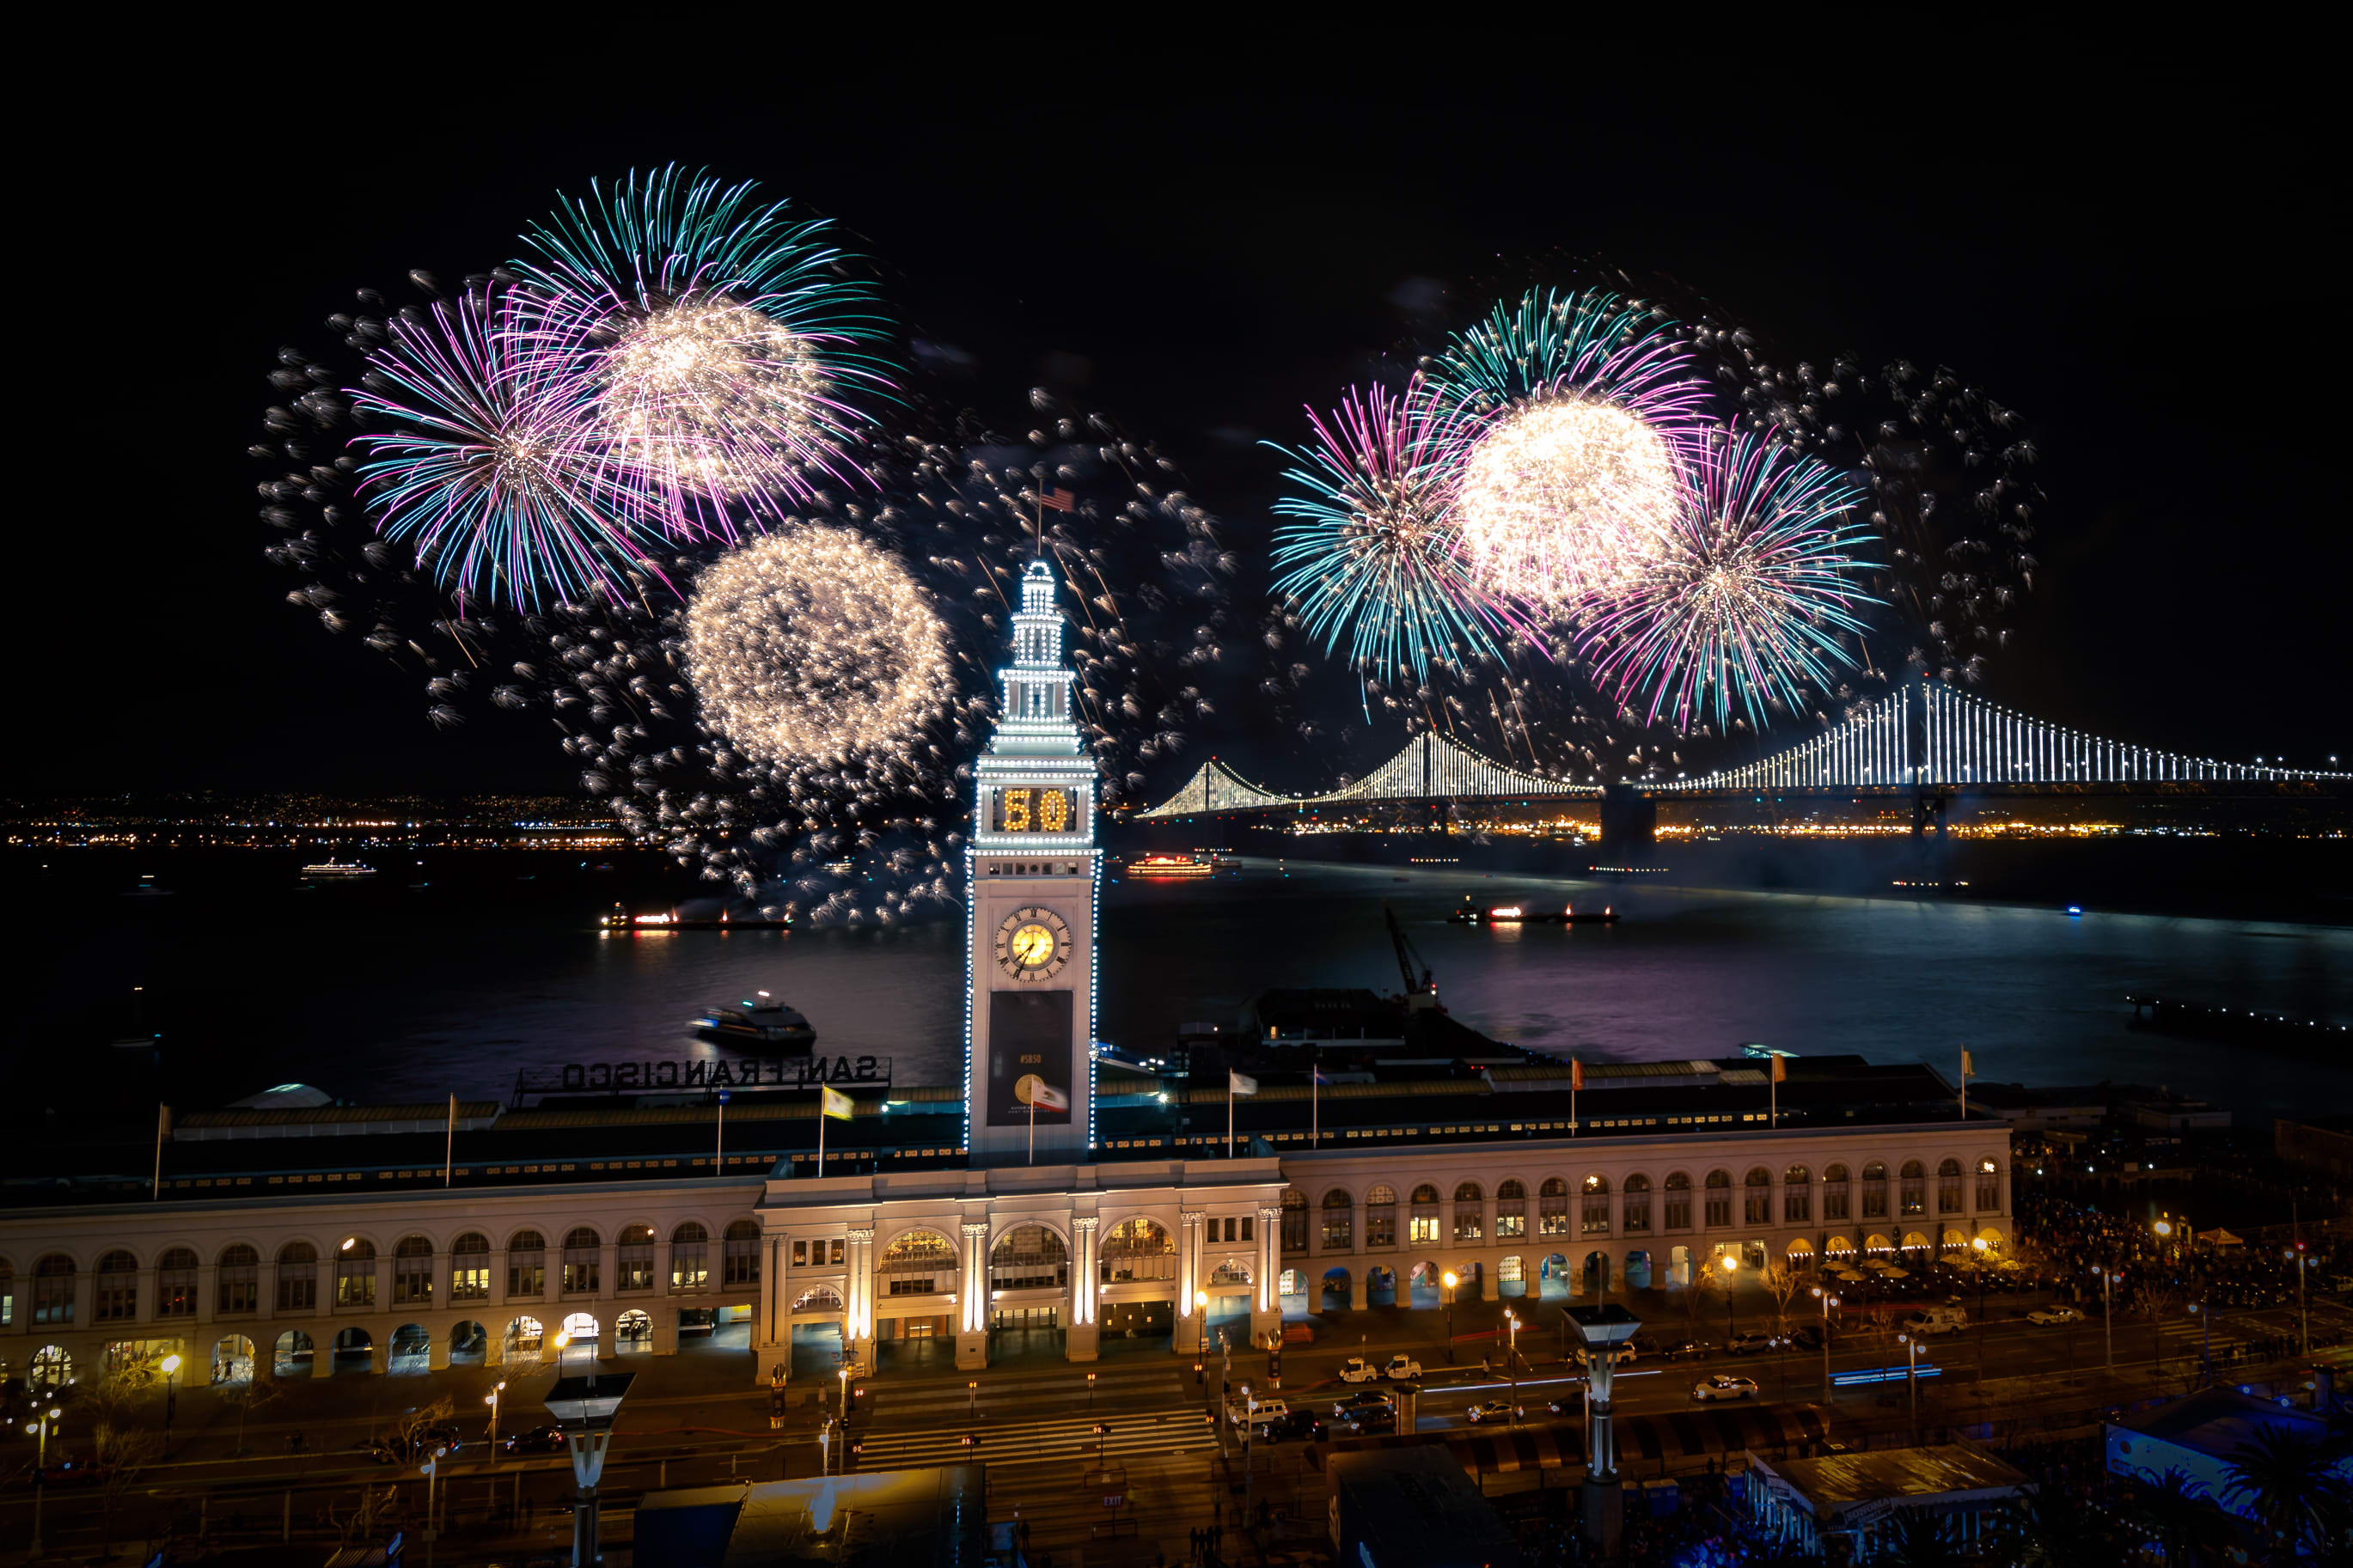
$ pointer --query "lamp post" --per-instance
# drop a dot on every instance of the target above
(1512, 1357)
(1447, 1280)
(44, 1424)
(1249, 1420)
(2303, 1260)
(563, 1343)
(1828, 1301)
(171, 1365)
(2107, 1316)
(491, 1399)
(842, 1404)
(972, 1401)
(584, 1407)
(1911, 1342)
(432, 1468)
(1731, 1265)
(1090, 1395)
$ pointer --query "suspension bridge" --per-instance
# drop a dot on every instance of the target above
(1925, 738)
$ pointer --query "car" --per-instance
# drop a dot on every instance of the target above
(1571, 1403)
(1356, 1369)
(1807, 1336)
(2043, 1315)
(1724, 1385)
(1748, 1345)
(1680, 1349)
(1627, 1354)
(74, 1473)
(1300, 1424)
(397, 1450)
(1400, 1368)
(1364, 1399)
(536, 1440)
(1370, 1418)
(1493, 1410)
(1937, 1320)
(1240, 1410)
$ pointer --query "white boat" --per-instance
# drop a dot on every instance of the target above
(761, 1020)
(332, 868)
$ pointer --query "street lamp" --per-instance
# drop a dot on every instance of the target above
(563, 1341)
(1512, 1357)
(491, 1399)
(842, 1404)
(44, 1424)
(2303, 1260)
(2107, 1316)
(1090, 1393)
(1448, 1279)
(1730, 1261)
(1828, 1301)
(171, 1394)
(432, 1468)
(1911, 1342)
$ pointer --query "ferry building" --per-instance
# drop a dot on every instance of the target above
(1056, 1197)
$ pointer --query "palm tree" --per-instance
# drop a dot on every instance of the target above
(1914, 1537)
(2052, 1532)
(2288, 1481)
(2178, 1512)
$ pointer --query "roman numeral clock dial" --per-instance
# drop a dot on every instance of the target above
(1033, 944)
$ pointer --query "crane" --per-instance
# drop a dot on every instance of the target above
(1419, 994)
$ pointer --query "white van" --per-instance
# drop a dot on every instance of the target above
(1937, 1320)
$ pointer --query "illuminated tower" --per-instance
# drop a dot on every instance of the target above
(1033, 879)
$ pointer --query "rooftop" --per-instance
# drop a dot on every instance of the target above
(1848, 1489)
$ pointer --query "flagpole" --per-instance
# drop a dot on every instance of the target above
(1314, 1103)
(1773, 1116)
(162, 1120)
(449, 1143)
(1965, 1083)
(1033, 1126)
(821, 1119)
(1230, 1113)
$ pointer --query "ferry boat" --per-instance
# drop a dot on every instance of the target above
(333, 869)
(1522, 914)
(1172, 866)
(619, 919)
(761, 1020)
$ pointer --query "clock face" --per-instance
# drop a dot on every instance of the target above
(1033, 944)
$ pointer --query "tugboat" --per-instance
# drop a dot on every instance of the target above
(761, 1020)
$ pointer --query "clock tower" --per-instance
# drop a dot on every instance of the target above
(1033, 879)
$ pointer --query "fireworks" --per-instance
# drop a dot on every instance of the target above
(812, 645)
(1572, 406)
(720, 343)
(1374, 555)
(484, 468)
(1744, 606)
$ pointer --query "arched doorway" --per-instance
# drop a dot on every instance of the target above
(410, 1354)
(523, 1338)
(1552, 1279)
(1380, 1287)
(915, 1275)
(633, 1332)
(1679, 1268)
(817, 1347)
(1425, 1287)
(1334, 1296)
(1512, 1276)
(353, 1352)
(1594, 1277)
(1638, 1271)
(581, 1332)
(467, 1344)
(1029, 1281)
(233, 1359)
(290, 1353)
(1291, 1292)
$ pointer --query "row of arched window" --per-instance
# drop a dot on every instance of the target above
(348, 1273)
(1559, 1211)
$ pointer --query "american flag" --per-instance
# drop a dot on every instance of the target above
(1055, 500)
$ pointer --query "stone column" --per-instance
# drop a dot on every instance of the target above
(1082, 1340)
(1191, 1320)
(972, 1336)
(207, 1293)
(861, 1297)
(1266, 1313)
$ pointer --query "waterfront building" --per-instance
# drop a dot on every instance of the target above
(299, 1241)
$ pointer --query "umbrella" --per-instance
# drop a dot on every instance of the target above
(1892, 1272)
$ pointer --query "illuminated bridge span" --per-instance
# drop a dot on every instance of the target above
(1924, 737)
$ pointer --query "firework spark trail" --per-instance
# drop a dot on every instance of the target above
(486, 469)
(1746, 605)
(728, 350)
(1374, 556)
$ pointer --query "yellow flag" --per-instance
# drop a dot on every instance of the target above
(1780, 1070)
(838, 1105)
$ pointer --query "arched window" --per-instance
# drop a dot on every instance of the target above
(527, 1266)
(176, 1283)
(1294, 1220)
(1797, 1196)
(1719, 1198)
(1552, 1208)
(1874, 1191)
(740, 1253)
(1949, 1187)
(1596, 1211)
(355, 1272)
(583, 1262)
(237, 1281)
(53, 1288)
(412, 1271)
(1989, 1186)
(690, 1258)
(1339, 1221)
(117, 1297)
(1757, 1197)
(297, 1277)
(1137, 1249)
(1423, 1221)
(1511, 1210)
(1678, 1201)
(919, 1263)
(1834, 1193)
(1469, 1214)
(1028, 1258)
(470, 1268)
(1637, 1206)
(633, 1258)
(1913, 1187)
(1380, 1215)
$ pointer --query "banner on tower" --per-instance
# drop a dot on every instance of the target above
(1028, 1036)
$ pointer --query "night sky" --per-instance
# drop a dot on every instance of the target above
(2136, 260)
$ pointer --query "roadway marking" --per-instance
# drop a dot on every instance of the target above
(1149, 1432)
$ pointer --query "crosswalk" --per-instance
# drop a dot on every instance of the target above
(1129, 1434)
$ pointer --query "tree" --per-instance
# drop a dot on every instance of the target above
(1782, 1283)
(1914, 1537)
(123, 1453)
(2288, 1479)
(2178, 1512)
(247, 1396)
(2052, 1531)
(409, 1428)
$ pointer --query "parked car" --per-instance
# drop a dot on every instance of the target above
(1627, 1354)
(2055, 1315)
(536, 1440)
(1937, 1320)
(1400, 1368)
(75, 1473)
(1300, 1424)
(1239, 1410)
(1493, 1410)
(1748, 1345)
(1369, 1420)
(398, 1450)
(1807, 1336)
(1724, 1385)
(1363, 1400)
(1356, 1369)
(1680, 1350)
(1569, 1404)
